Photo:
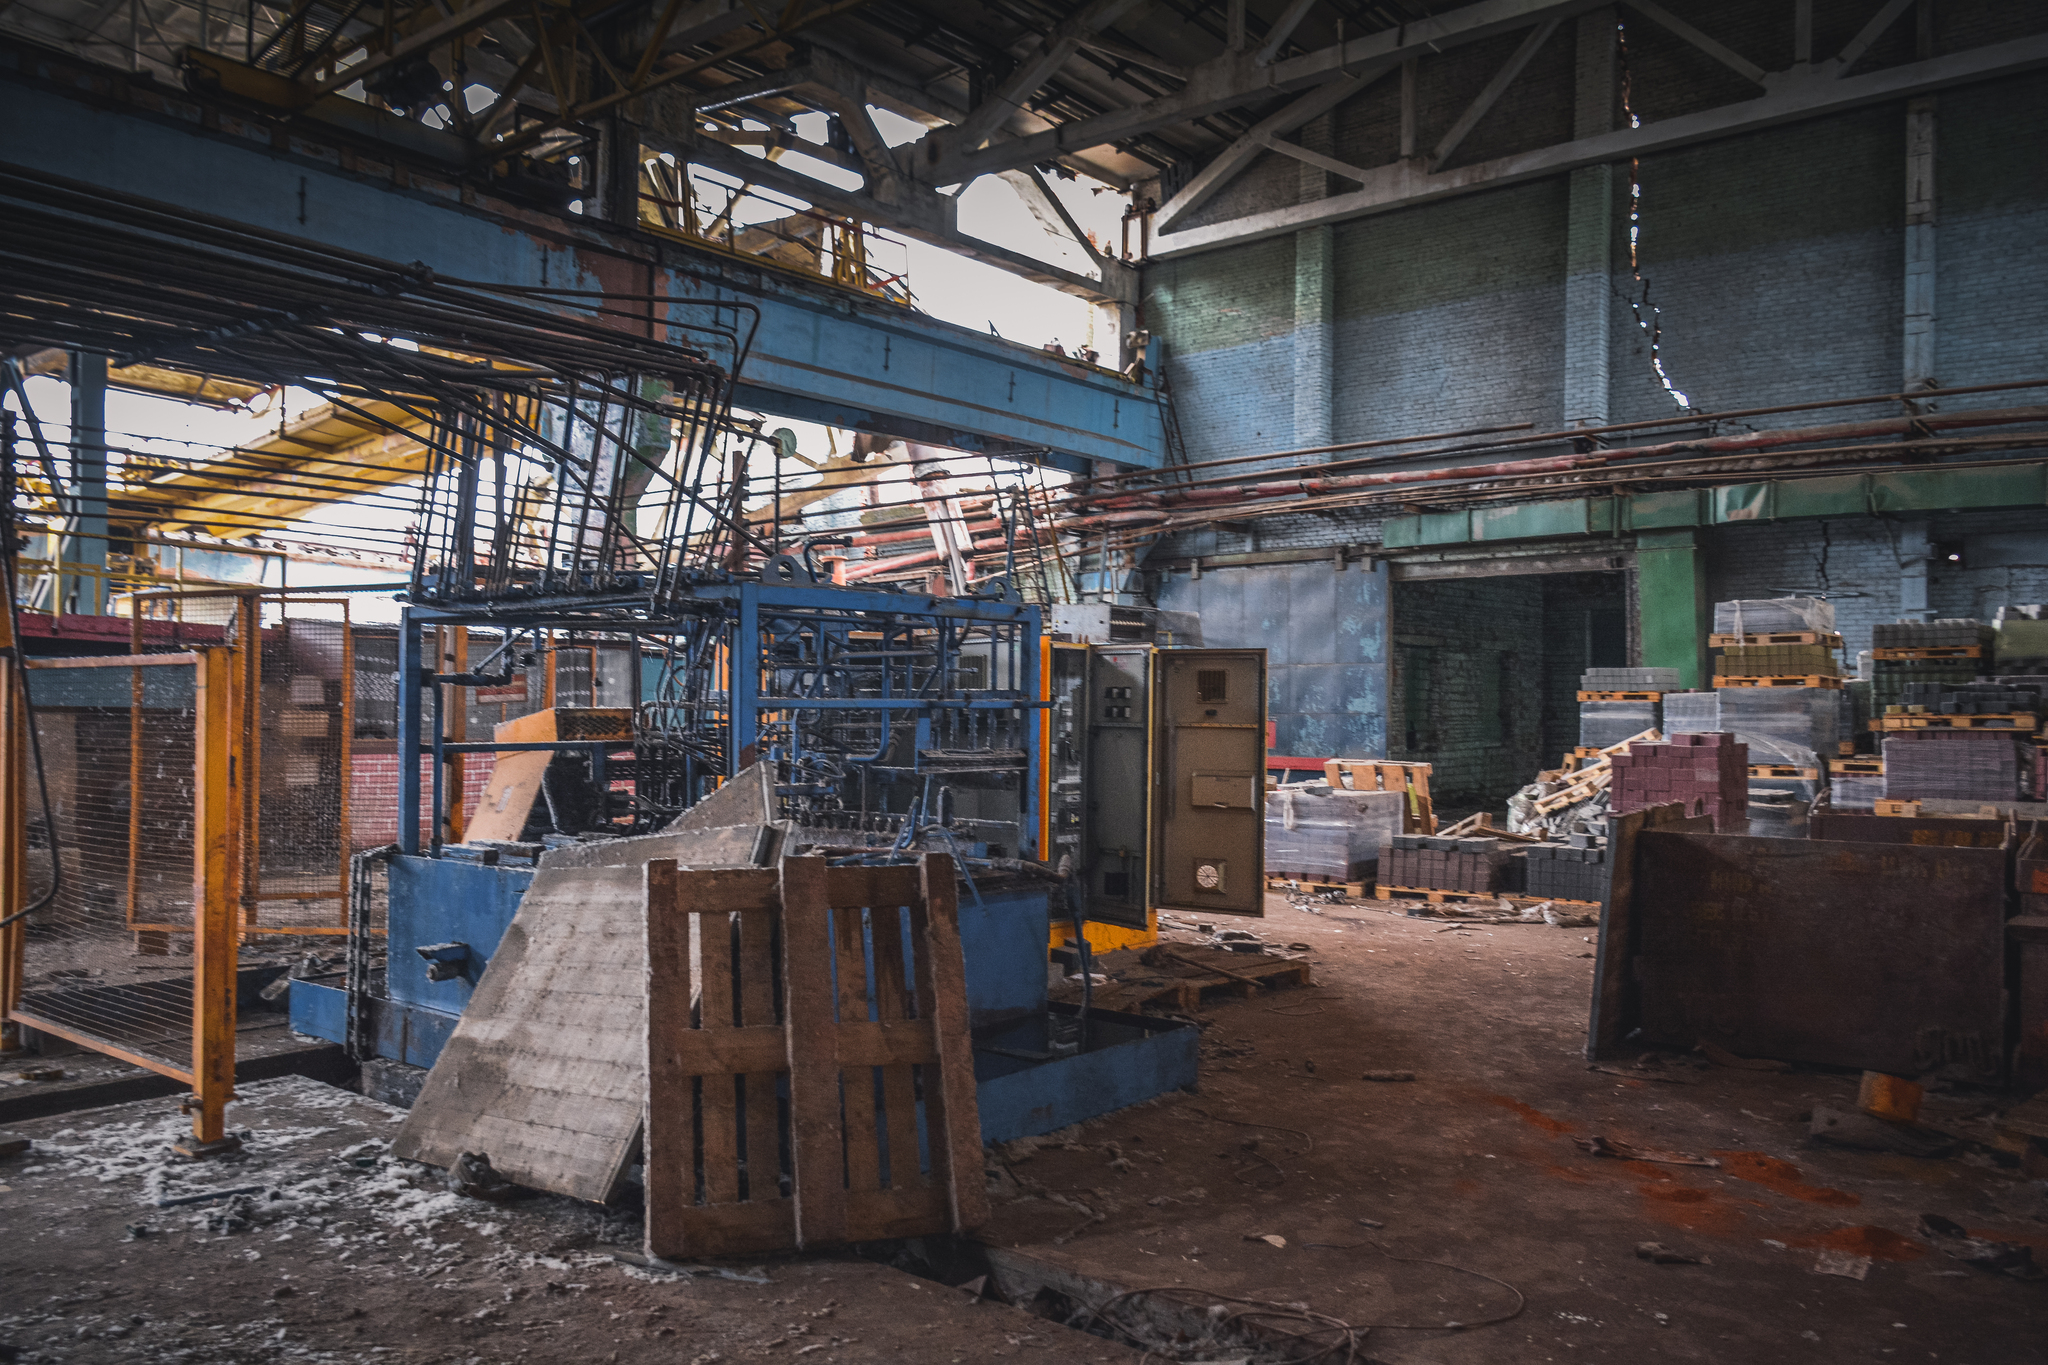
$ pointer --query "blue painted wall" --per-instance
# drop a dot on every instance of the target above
(1325, 637)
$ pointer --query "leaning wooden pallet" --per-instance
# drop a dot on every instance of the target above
(802, 1128)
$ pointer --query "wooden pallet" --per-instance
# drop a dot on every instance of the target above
(1784, 770)
(1826, 680)
(1909, 809)
(1621, 696)
(1240, 977)
(1783, 637)
(719, 1049)
(1869, 767)
(2016, 720)
(1900, 653)
(1372, 775)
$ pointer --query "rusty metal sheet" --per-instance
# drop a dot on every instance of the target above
(1888, 957)
(1936, 832)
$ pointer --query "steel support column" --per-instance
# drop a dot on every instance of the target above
(1671, 586)
(85, 593)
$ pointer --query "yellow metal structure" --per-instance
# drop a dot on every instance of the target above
(219, 767)
(326, 455)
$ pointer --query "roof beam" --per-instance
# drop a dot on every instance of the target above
(1226, 82)
(919, 213)
(1789, 97)
(1720, 52)
(1885, 17)
(1283, 29)
(1046, 207)
(1226, 164)
(1008, 97)
(1495, 88)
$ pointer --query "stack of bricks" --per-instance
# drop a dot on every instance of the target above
(1951, 765)
(2003, 697)
(1574, 871)
(1890, 678)
(1629, 680)
(1708, 774)
(1425, 861)
(1777, 661)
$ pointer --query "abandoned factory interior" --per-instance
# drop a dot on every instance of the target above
(1072, 682)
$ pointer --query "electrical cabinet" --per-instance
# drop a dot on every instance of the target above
(1156, 778)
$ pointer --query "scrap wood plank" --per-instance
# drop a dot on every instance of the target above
(854, 1036)
(546, 1070)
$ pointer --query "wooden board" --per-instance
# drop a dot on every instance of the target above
(544, 1073)
(872, 1019)
(508, 797)
(1783, 637)
(2016, 720)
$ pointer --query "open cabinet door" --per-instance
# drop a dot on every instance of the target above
(1118, 760)
(1209, 779)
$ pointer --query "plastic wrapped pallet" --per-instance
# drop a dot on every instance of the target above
(1777, 815)
(1773, 616)
(1856, 791)
(1951, 765)
(1602, 723)
(1315, 834)
(1795, 725)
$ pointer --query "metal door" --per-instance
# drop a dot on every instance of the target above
(1117, 759)
(1209, 779)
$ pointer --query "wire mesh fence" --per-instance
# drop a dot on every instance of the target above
(110, 957)
(301, 845)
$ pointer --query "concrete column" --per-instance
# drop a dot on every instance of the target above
(1671, 592)
(1916, 555)
(1315, 290)
(85, 594)
(1918, 350)
(1589, 232)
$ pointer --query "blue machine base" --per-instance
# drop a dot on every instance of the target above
(1130, 1058)
(1003, 932)
(405, 1033)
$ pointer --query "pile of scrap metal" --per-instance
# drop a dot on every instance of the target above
(1572, 797)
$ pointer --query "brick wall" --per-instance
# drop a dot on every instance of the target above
(1467, 685)
(373, 795)
(1855, 560)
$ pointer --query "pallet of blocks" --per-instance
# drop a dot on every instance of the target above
(1706, 773)
(1907, 655)
(1366, 774)
(1616, 704)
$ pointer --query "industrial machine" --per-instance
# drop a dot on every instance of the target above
(886, 721)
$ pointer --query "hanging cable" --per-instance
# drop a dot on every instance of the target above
(1649, 317)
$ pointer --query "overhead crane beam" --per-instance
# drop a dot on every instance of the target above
(821, 353)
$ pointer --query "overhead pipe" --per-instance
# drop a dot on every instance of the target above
(1741, 443)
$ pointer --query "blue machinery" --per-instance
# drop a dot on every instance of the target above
(893, 721)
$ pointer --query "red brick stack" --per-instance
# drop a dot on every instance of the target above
(1706, 773)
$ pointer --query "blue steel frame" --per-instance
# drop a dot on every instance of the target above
(740, 609)
(821, 353)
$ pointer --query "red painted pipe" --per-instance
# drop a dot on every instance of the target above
(1741, 443)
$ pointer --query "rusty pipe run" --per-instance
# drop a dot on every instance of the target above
(1156, 504)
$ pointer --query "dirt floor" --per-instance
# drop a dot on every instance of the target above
(1461, 1197)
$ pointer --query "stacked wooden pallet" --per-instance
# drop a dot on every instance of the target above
(1373, 775)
